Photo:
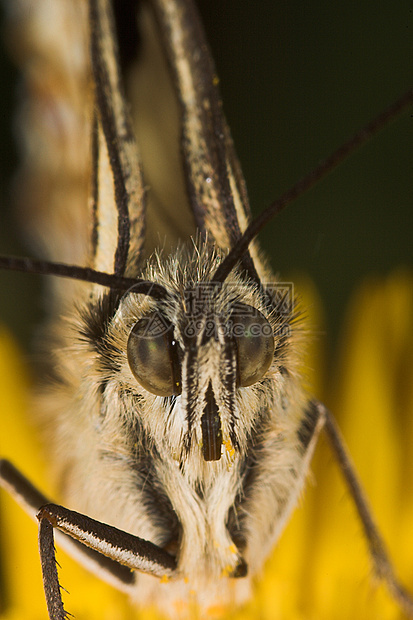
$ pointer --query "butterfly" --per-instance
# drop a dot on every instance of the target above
(139, 353)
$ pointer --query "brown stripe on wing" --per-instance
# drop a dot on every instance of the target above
(215, 184)
(122, 157)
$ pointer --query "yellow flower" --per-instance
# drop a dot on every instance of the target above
(320, 569)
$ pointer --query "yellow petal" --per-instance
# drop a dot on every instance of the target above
(375, 351)
(18, 533)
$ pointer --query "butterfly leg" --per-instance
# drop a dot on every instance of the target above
(129, 551)
(104, 550)
(21, 489)
(381, 561)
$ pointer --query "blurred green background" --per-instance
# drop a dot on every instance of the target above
(297, 79)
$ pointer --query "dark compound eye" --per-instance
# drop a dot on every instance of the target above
(254, 341)
(153, 355)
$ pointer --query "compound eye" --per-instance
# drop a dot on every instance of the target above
(153, 355)
(254, 341)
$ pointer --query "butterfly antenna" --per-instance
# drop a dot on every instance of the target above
(311, 179)
(84, 274)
